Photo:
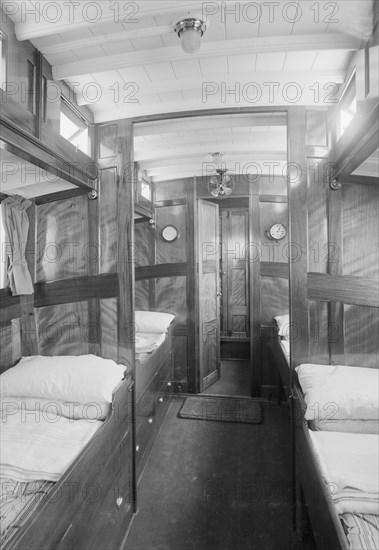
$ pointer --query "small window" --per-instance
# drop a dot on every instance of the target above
(74, 127)
(347, 108)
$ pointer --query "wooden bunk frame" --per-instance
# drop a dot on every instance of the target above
(68, 515)
(153, 388)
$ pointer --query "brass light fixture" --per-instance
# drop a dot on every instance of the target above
(190, 30)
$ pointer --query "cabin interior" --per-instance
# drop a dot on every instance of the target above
(206, 216)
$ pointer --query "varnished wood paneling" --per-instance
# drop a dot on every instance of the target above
(110, 247)
(360, 230)
(272, 251)
(161, 270)
(107, 138)
(142, 294)
(10, 307)
(173, 189)
(254, 291)
(322, 332)
(10, 349)
(316, 127)
(361, 336)
(274, 269)
(175, 251)
(109, 328)
(297, 191)
(171, 297)
(274, 298)
(350, 290)
(76, 289)
(63, 329)
(141, 241)
(318, 247)
(62, 240)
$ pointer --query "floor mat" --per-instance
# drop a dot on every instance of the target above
(222, 409)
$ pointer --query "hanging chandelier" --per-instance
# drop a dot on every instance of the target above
(221, 185)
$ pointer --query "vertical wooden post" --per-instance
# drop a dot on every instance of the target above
(254, 290)
(28, 327)
(297, 233)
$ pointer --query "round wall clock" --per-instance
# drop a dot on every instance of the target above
(170, 233)
(277, 231)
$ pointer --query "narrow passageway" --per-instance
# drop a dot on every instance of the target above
(217, 486)
(234, 379)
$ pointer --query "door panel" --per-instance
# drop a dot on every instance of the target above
(209, 290)
(234, 268)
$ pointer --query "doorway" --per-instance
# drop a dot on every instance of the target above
(235, 367)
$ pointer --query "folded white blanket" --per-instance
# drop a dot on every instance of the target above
(350, 465)
(35, 446)
(146, 342)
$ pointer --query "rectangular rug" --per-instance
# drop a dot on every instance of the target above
(222, 409)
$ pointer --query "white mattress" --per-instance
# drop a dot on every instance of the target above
(285, 345)
(147, 342)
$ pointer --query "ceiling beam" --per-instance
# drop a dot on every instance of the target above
(213, 122)
(104, 39)
(64, 17)
(123, 92)
(243, 46)
(203, 157)
(234, 147)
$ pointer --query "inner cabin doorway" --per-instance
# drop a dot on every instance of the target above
(234, 339)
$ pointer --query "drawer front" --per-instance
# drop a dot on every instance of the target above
(150, 412)
(107, 507)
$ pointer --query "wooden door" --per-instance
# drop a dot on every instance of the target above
(235, 276)
(209, 293)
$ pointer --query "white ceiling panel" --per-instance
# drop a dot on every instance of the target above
(147, 43)
(294, 60)
(188, 67)
(160, 71)
(270, 61)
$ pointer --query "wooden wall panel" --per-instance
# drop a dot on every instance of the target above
(108, 220)
(361, 331)
(171, 297)
(109, 328)
(317, 215)
(322, 333)
(64, 329)
(274, 298)
(181, 366)
(360, 230)
(173, 189)
(141, 244)
(10, 349)
(62, 239)
(175, 251)
(270, 213)
(142, 294)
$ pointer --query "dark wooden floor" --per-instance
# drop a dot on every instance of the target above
(234, 379)
(217, 486)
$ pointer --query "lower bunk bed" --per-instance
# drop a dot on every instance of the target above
(336, 453)
(66, 456)
(153, 379)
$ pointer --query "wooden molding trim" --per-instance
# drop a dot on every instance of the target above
(161, 270)
(358, 291)
(10, 307)
(76, 289)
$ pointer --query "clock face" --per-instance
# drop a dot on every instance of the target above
(169, 233)
(277, 231)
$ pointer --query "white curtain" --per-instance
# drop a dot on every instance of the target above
(16, 228)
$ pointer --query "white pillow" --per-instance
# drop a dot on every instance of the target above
(335, 392)
(283, 322)
(73, 378)
(152, 321)
(46, 408)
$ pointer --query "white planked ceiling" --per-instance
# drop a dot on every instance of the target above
(123, 59)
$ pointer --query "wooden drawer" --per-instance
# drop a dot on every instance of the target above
(150, 412)
(107, 505)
